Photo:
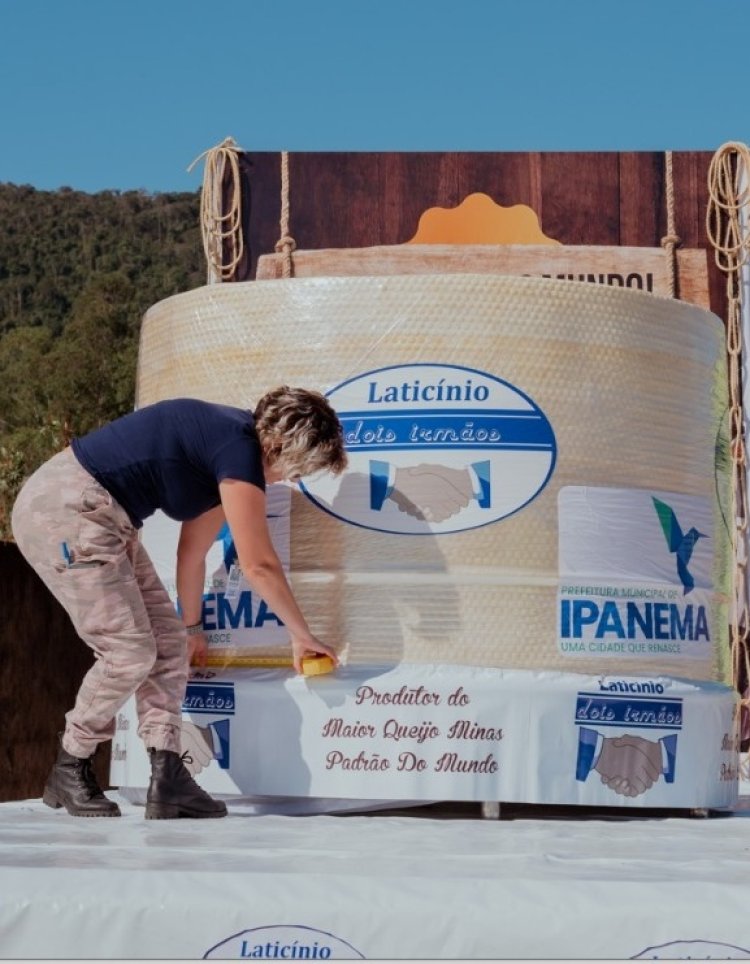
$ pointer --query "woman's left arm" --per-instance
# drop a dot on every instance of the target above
(245, 508)
(196, 538)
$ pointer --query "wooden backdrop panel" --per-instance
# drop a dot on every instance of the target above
(349, 200)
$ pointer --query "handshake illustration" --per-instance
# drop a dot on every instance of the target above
(201, 744)
(627, 764)
(432, 493)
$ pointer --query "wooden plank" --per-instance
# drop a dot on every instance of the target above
(536, 199)
(693, 278)
(641, 198)
(581, 198)
(643, 269)
(505, 177)
(411, 182)
(690, 171)
(263, 171)
(690, 196)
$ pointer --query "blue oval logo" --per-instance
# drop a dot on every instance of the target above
(435, 449)
(693, 951)
(283, 942)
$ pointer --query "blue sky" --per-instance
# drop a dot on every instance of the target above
(99, 94)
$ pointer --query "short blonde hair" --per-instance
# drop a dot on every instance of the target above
(299, 432)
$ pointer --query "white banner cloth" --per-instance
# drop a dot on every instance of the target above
(414, 732)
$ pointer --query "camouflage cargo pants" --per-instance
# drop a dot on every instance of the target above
(115, 599)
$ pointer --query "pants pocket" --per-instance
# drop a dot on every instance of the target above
(99, 538)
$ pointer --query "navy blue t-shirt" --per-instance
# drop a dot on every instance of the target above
(172, 456)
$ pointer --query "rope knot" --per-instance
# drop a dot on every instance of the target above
(284, 244)
(671, 240)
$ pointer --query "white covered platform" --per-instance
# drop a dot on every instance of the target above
(429, 882)
(323, 855)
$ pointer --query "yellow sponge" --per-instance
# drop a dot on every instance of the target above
(317, 665)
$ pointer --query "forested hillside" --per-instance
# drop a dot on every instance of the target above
(77, 272)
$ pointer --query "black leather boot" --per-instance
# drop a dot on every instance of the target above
(172, 792)
(72, 784)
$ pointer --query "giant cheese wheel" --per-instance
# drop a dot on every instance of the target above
(632, 388)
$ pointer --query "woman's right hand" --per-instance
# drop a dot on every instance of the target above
(309, 645)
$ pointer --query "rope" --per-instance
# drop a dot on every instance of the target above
(671, 239)
(731, 251)
(216, 226)
(286, 243)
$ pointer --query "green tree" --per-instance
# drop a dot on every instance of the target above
(29, 432)
(77, 273)
(92, 373)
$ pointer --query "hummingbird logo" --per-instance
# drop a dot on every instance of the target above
(681, 544)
